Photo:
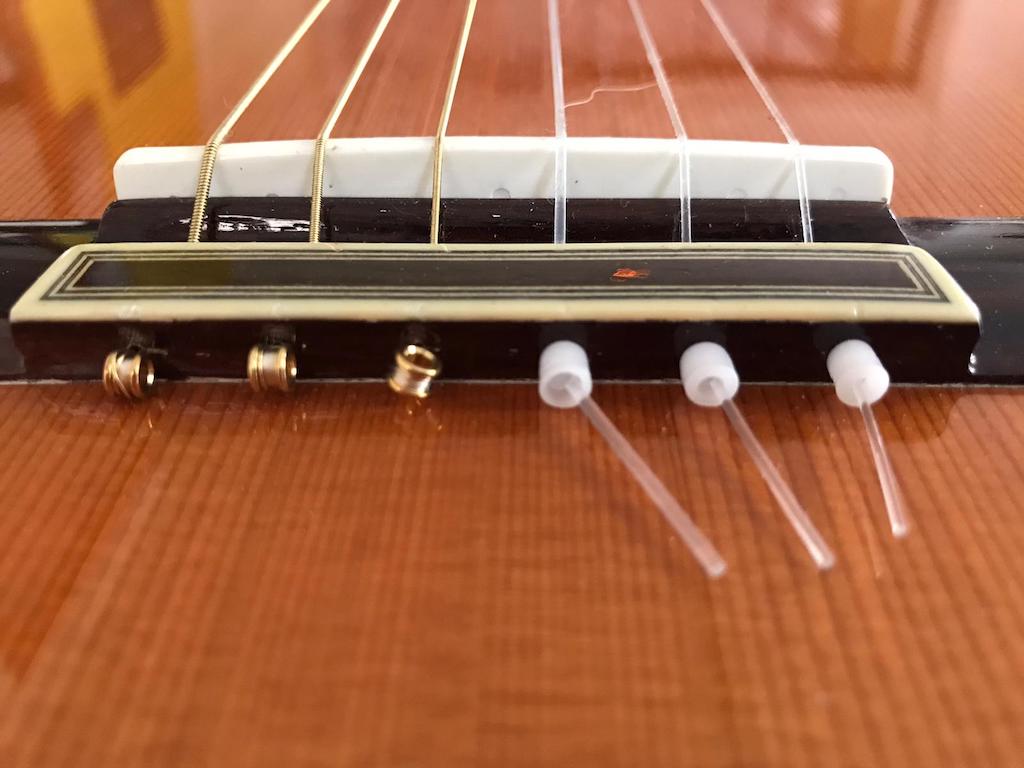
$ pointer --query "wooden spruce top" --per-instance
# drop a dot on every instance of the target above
(346, 579)
(343, 578)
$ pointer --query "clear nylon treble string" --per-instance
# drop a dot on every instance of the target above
(699, 545)
(558, 91)
(791, 507)
(661, 78)
(894, 506)
(773, 109)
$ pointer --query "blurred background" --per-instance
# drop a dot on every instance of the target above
(81, 81)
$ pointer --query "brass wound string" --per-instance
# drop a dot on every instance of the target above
(658, 67)
(773, 109)
(209, 159)
(442, 124)
(558, 91)
(320, 148)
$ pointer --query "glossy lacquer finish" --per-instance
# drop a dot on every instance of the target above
(345, 578)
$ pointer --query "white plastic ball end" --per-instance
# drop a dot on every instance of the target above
(702, 364)
(858, 374)
(564, 377)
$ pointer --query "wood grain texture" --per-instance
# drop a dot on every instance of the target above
(345, 578)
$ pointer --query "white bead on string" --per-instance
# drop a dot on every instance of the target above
(861, 380)
(564, 381)
(710, 380)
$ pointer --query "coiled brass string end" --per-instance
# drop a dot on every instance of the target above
(128, 374)
(271, 367)
(414, 370)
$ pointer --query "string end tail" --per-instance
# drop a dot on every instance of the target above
(894, 506)
(797, 516)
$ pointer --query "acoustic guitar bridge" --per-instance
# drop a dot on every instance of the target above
(486, 311)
